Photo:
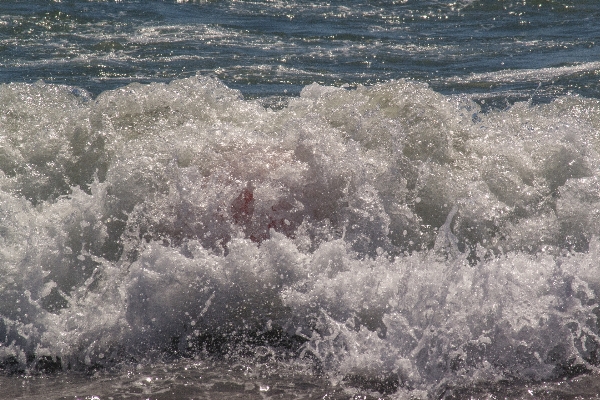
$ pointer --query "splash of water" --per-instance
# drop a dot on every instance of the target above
(395, 238)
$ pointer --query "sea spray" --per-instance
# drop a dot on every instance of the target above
(391, 237)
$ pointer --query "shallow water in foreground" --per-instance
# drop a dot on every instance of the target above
(213, 380)
(176, 380)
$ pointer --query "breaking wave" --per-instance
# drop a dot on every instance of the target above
(390, 237)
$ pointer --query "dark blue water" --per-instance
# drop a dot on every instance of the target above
(269, 48)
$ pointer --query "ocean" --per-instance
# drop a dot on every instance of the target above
(286, 199)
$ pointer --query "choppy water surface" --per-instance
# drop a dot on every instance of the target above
(273, 47)
(299, 200)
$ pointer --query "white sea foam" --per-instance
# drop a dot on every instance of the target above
(396, 238)
(529, 75)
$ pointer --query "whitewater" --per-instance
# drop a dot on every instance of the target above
(390, 235)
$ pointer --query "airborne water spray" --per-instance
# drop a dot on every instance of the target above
(393, 238)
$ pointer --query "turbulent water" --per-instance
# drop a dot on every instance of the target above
(423, 222)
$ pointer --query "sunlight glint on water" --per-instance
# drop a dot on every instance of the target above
(423, 223)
